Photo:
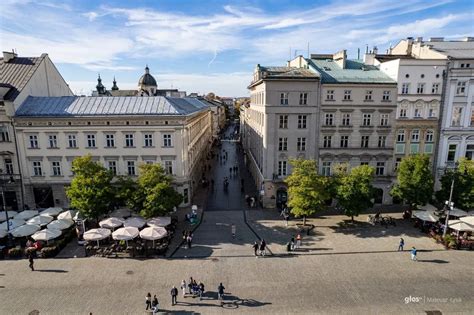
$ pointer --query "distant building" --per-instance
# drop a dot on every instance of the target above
(21, 77)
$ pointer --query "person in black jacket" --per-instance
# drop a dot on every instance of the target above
(220, 292)
(174, 296)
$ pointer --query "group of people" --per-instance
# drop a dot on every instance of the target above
(413, 250)
(151, 304)
(293, 245)
(259, 249)
(192, 288)
(233, 170)
(188, 238)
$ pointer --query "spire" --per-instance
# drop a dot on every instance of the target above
(147, 70)
(100, 87)
(114, 86)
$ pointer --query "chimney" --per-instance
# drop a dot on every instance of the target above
(376, 50)
(468, 39)
(409, 45)
(340, 58)
(436, 39)
(7, 56)
(419, 39)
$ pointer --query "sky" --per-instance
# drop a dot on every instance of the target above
(209, 45)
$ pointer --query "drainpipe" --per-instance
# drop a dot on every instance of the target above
(22, 188)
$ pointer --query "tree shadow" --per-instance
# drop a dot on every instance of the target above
(163, 311)
(229, 301)
(434, 261)
(52, 270)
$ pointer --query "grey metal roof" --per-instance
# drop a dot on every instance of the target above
(454, 49)
(354, 72)
(17, 72)
(287, 72)
(65, 106)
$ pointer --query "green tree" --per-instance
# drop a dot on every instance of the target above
(155, 194)
(354, 190)
(307, 190)
(125, 192)
(91, 190)
(414, 180)
(463, 192)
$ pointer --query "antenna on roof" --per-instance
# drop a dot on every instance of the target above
(358, 53)
(366, 48)
(290, 53)
(308, 50)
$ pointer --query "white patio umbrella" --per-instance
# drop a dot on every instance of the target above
(60, 224)
(159, 221)
(137, 222)
(27, 214)
(111, 223)
(40, 220)
(46, 235)
(68, 214)
(153, 233)
(457, 213)
(429, 207)
(468, 219)
(121, 213)
(11, 214)
(14, 223)
(3, 233)
(125, 234)
(78, 216)
(459, 225)
(53, 211)
(25, 230)
(426, 216)
(97, 235)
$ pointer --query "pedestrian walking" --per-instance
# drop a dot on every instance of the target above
(255, 249)
(183, 288)
(190, 285)
(148, 301)
(292, 243)
(413, 254)
(401, 244)
(298, 241)
(220, 292)
(174, 296)
(30, 259)
(154, 305)
(252, 202)
(263, 246)
(233, 228)
(189, 240)
(201, 290)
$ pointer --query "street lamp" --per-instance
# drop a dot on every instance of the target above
(4, 206)
(449, 204)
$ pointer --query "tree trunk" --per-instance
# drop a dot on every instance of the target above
(304, 220)
(352, 218)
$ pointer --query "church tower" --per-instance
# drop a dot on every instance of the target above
(147, 84)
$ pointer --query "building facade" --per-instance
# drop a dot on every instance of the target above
(21, 77)
(118, 132)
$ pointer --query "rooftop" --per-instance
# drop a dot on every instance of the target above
(287, 72)
(76, 106)
(354, 72)
(17, 72)
(453, 49)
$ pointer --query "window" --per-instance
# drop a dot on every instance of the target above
(405, 88)
(364, 163)
(470, 151)
(330, 95)
(148, 139)
(401, 135)
(432, 112)
(282, 168)
(283, 98)
(301, 121)
(364, 142)
(420, 88)
(71, 141)
(282, 144)
(169, 167)
(91, 141)
(303, 98)
(435, 88)
(53, 141)
(34, 142)
(167, 140)
(384, 120)
(129, 140)
(346, 119)
(344, 141)
(327, 141)
(326, 169)
(4, 136)
(382, 141)
(112, 166)
(37, 170)
(368, 95)
(417, 113)
(386, 96)
(56, 168)
(329, 119)
(403, 112)
(415, 135)
(457, 115)
(397, 163)
(429, 136)
(301, 144)
(461, 88)
(110, 141)
(185, 195)
(283, 122)
(131, 168)
(9, 166)
(347, 95)
(366, 119)
(452, 152)
(380, 169)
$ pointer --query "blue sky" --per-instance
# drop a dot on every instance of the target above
(203, 46)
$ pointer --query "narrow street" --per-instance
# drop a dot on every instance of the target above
(224, 207)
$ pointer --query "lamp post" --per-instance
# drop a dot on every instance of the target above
(4, 205)
(449, 203)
